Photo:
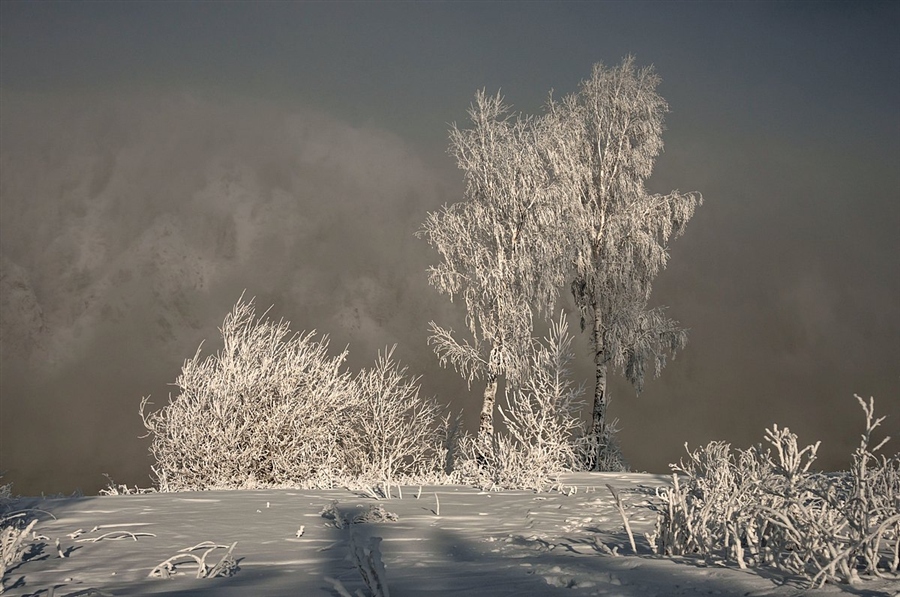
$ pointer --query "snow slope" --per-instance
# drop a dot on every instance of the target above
(509, 543)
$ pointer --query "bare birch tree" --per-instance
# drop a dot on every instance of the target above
(607, 136)
(500, 248)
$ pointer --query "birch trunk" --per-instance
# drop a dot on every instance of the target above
(486, 429)
(598, 417)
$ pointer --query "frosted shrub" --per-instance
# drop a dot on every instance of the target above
(503, 465)
(263, 411)
(542, 422)
(275, 409)
(397, 433)
(705, 510)
(602, 452)
(762, 508)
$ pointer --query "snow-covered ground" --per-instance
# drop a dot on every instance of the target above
(510, 543)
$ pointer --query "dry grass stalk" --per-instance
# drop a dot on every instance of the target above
(113, 488)
(115, 535)
(338, 586)
(12, 547)
(91, 592)
(621, 509)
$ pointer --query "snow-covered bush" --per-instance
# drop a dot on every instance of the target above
(602, 452)
(396, 433)
(542, 419)
(761, 509)
(276, 409)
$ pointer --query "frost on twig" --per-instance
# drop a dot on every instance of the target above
(226, 566)
(115, 535)
(367, 558)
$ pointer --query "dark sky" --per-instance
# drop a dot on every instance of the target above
(159, 158)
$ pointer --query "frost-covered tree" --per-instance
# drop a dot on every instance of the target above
(605, 139)
(501, 248)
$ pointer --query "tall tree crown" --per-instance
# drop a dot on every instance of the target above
(500, 248)
(609, 134)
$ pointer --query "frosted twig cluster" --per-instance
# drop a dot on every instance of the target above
(13, 542)
(226, 566)
(763, 509)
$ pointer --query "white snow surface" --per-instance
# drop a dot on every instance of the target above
(509, 543)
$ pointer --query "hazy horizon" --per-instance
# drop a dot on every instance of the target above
(156, 160)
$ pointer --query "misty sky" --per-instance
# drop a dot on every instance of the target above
(156, 159)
